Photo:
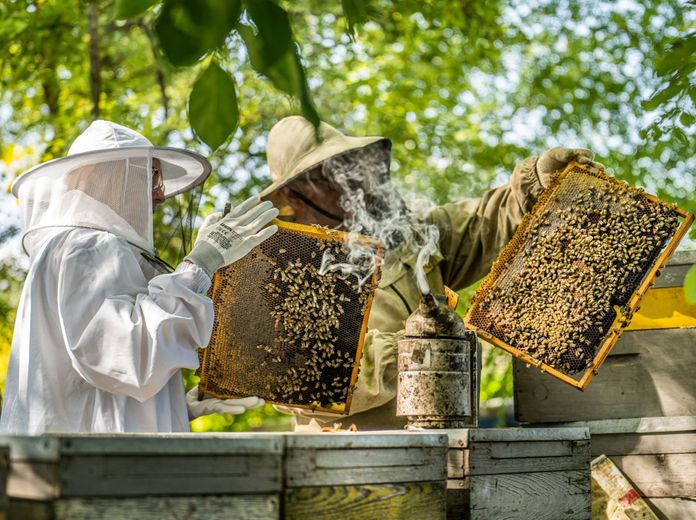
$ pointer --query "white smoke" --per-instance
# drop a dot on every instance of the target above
(375, 208)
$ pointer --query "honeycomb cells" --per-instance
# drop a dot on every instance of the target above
(286, 329)
(586, 248)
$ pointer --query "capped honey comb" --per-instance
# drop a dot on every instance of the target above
(290, 325)
(565, 286)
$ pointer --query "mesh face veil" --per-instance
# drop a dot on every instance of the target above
(113, 194)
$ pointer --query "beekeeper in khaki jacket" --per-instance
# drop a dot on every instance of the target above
(472, 232)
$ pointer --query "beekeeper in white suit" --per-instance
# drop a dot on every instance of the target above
(102, 332)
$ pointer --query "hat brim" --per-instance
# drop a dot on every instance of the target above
(327, 150)
(182, 169)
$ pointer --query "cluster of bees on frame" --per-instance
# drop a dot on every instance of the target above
(587, 252)
(308, 364)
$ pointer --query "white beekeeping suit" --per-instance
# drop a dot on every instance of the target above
(101, 333)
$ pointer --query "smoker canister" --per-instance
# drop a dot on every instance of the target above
(438, 368)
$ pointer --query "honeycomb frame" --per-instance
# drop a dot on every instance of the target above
(516, 248)
(241, 286)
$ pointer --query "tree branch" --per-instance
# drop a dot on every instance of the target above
(95, 65)
(159, 72)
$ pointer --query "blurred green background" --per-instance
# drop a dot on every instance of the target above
(465, 89)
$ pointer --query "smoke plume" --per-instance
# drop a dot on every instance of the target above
(375, 208)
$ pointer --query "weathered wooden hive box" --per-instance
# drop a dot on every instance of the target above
(4, 468)
(650, 372)
(512, 473)
(370, 476)
(658, 456)
(190, 476)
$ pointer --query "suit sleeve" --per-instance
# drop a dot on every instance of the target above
(126, 335)
(472, 232)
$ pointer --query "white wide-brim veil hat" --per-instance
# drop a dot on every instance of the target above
(104, 183)
(104, 141)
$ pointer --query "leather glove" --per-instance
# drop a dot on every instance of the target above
(210, 404)
(223, 240)
(556, 159)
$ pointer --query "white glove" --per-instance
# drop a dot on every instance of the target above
(210, 404)
(223, 240)
(556, 159)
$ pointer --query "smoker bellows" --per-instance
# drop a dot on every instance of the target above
(438, 368)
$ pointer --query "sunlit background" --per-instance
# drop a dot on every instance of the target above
(464, 90)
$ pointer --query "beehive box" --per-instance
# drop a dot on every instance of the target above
(506, 474)
(657, 455)
(656, 354)
(4, 468)
(192, 476)
(397, 475)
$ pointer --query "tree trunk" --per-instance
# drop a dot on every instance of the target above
(95, 64)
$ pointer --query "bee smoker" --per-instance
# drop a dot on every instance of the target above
(438, 369)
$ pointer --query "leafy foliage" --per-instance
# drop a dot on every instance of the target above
(213, 106)
(463, 89)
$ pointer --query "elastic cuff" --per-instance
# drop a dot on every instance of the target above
(201, 279)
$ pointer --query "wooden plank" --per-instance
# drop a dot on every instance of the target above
(531, 496)
(458, 437)
(370, 440)
(482, 461)
(682, 256)
(622, 497)
(660, 476)
(643, 444)
(106, 475)
(4, 469)
(409, 501)
(38, 449)
(528, 449)
(672, 276)
(457, 463)
(30, 509)
(674, 508)
(675, 271)
(685, 424)
(308, 467)
(527, 434)
(252, 507)
(457, 504)
(185, 444)
(662, 365)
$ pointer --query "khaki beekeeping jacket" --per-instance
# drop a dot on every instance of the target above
(472, 233)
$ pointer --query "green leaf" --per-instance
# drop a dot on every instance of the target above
(355, 12)
(286, 73)
(661, 97)
(690, 286)
(274, 31)
(131, 8)
(687, 119)
(212, 108)
(189, 29)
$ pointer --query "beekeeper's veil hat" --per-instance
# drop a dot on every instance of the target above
(293, 149)
(105, 182)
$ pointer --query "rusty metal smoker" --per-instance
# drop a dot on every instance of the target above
(438, 369)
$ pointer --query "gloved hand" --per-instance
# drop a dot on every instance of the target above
(223, 240)
(210, 404)
(556, 159)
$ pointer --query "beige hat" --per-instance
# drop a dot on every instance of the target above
(293, 149)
